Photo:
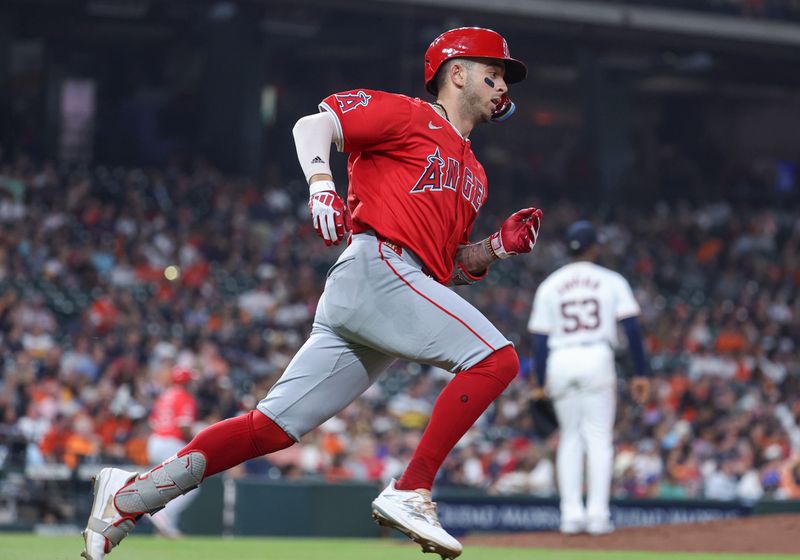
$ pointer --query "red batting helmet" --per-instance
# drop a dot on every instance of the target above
(180, 375)
(473, 42)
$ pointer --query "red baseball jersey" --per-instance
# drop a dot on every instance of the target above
(413, 178)
(174, 410)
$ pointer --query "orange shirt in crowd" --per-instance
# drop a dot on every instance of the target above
(708, 250)
(136, 450)
(789, 482)
(78, 446)
(109, 428)
(730, 341)
(54, 442)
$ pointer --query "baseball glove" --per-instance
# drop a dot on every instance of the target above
(544, 417)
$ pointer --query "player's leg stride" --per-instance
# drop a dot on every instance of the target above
(413, 513)
(409, 508)
(122, 497)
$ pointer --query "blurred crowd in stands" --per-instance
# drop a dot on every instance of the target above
(110, 276)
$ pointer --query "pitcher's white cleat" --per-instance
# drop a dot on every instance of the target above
(414, 514)
(572, 527)
(600, 527)
(107, 526)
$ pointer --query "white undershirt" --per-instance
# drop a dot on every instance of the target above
(313, 136)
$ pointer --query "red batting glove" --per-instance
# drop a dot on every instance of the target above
(518, 234)
(329, 215)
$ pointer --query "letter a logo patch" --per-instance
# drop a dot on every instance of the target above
(431, 178)
(350, 101)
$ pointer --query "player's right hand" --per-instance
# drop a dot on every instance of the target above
(518, 234)
(329, 216)
(640, 389)
(539, 393)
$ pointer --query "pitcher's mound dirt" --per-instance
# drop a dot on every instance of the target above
(777, 534)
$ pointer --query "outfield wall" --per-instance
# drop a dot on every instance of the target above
(316, 509)
(256, 507)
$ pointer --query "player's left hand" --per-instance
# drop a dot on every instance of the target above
(640, 389)
(539, 393)
(518, 234)
(543, 413)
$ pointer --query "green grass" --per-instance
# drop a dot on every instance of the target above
(31, 547)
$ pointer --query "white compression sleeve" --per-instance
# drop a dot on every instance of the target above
(313, 136)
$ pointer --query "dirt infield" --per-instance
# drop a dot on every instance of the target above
(776, 534)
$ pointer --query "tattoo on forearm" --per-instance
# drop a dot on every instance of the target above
(475, 257)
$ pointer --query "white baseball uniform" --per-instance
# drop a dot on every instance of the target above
(578, 307)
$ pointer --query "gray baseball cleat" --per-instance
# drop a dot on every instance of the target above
(414, 514)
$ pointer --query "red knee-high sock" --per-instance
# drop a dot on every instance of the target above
(459, 405)
(236, 440)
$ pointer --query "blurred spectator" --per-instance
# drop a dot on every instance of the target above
(790, 480)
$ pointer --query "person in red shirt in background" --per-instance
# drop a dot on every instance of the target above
(171, 420)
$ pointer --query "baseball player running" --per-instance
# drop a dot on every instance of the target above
(574, 325)
(414, 191)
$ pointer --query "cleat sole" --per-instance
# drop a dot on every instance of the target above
(85, 552)
(427, 545)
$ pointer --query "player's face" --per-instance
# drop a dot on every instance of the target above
(480, 96)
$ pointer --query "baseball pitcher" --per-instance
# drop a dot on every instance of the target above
(574, 325)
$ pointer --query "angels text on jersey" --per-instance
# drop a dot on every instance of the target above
(437, 176)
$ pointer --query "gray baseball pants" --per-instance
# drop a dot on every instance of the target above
(377, 306)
